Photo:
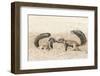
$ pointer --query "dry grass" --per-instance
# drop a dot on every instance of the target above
(58, 52)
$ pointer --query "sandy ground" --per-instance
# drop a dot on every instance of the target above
(59, 27)
(58, 52)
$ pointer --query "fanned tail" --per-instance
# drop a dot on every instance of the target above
(41, 36)
(81, 36)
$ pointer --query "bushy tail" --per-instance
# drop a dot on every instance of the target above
(81, 36)
(41, 36)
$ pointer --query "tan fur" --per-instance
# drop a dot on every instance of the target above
(73, 43)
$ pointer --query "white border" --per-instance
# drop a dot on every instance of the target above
(24, 64)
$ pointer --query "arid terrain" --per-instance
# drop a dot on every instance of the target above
(59, 27)
(58, 52)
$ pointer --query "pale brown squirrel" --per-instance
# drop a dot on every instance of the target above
(72, 43)
(67, 43)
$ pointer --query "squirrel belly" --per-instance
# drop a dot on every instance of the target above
(71, 42)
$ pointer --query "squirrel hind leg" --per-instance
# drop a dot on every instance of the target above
(76, 49)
